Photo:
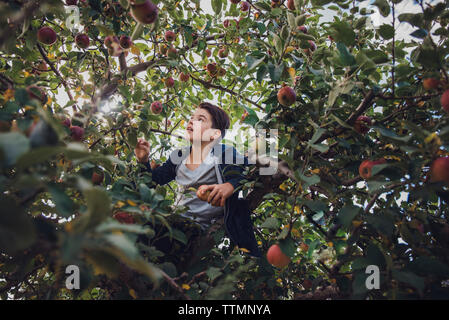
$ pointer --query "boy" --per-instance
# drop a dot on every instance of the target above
(207, 162)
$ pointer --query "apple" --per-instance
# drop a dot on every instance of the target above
(82, 40)
(312, 45)
(221, 72)
(46, 35)
(244, 6)
(361, 124)
(235, 1)
(77, 133)
(445, 100)
(286, 96)
(307, 284)
(366, 167)
(124, 217)
(184, 77)
(439, 170)
(226, 23)
(97, 177)
(169, 82)
(276, 257)
(145, 12)
(36, 92)
(126, 42)
(202, 194)
(154, 164)
(208, 52)
(170, 36)
(109, 40)
(430, 83)
(67, 122)
(303, 29)
(156, 107)
(163, 49)
(223, 53)
(71, 2)
(291, 5)
(212, 68)
(172, 52)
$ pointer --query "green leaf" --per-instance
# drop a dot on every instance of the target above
(179, 235)
(271, 223)
(386, 31)
(12, 146)
(341, 31)
(278, 44)
(347, 214)
(275, 71)
(64, 204)
(17, 231)
(216, 6)
(316, 205)
(288, 246)
(409, 278)
(213, 273)
(415, 19)
(384, 7)
(253, 62)
(261, 72)
(420, 33)
(308, 181)
(346, 58)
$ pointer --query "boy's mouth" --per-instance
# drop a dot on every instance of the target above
(189, 129)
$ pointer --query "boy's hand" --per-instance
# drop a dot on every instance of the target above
(142, 150)
(219, 193)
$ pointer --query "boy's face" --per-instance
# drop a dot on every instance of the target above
(199, 127)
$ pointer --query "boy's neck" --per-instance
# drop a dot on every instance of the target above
(200, 150)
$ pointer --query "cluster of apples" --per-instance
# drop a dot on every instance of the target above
(76, 132)
(116, 46)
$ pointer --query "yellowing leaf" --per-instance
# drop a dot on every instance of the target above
(316, 171)
(244, 250)
(283, 187)
(132, 293)
(330, 244)
(185, 286)
(120, 204)
(288, 50)
(135, 50)
(131, 203)
(8, 95)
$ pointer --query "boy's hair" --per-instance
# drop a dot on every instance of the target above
(220, 119)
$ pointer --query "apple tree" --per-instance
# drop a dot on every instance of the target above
(363, 134)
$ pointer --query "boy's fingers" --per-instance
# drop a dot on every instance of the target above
(212, 195)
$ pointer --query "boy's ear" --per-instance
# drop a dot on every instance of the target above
(216, 135)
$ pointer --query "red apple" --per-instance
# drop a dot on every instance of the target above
(97, 177)
(77, 133)
(366, 167)
(226, 23)
(445, 100)
(235, 1)
(276, 257)
(169, 82)
(212, 68)
(221, 72)
(170, 36)
(244, 6)
(172, 52)
(71, 2)
(67, 122)
(291, 5)
(184, 77)
(223, 53)
(312, 45)
(46, 35)
(156, 107)
(124, 217)
(144, 13)
(303, 29)
(82, 40)
(361, 124)
(208, 52)
(109, 40)
(439, 170)
(430, 83)
(286, 96)
(126, 42)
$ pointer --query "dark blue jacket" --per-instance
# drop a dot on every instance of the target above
(237, 215)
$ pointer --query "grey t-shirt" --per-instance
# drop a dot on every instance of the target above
(200, 211)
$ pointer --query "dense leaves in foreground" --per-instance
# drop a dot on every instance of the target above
(363, 137)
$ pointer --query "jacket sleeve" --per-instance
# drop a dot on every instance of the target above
(163, 174)
(233, 173)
